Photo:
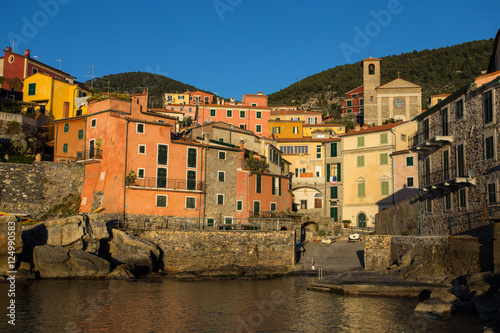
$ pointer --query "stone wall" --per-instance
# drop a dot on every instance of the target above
(459, 255)
(35, 188)
(201, 250)
(496, 247)
(399, 219)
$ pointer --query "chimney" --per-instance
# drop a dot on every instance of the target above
(231, 99)
(144, 91)
(260, 93)
(8, 48)
(206, 138)
(27, 53)
(66, 110)
(242, 154)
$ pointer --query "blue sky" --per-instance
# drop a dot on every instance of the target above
(234, 47)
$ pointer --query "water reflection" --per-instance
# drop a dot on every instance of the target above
(160, 305)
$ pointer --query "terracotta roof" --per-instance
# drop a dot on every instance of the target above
(375, 129)
(324, 125)
(306, 139)
(295, 112)
(370, 58)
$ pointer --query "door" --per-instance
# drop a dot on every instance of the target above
(256, 208)
(318, 203)
(91, 148)
(303, 204)
(334, 213)
(362, 220)
(191, 180)
(161, 178)
(444, 122)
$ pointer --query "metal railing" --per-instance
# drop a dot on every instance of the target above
(167, 184)
(209, 224)
(439, 176)
(427, 133)
(88, 154)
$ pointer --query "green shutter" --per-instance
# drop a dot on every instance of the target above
(361, 189)
(328, 172)
(80, 134)
(279, 186)
(334, 213)
(333, 149)
(383, 138)
(339, 172)
(385, 188)
(273, 186)
(210, 222)
(239, 205)
(361, 141)
(334, 192)
(383, 159)
(191, 158)
(162, 154)
(65, 148)
(259, 184)
(32, 89)
(66, 128)
(361, 161)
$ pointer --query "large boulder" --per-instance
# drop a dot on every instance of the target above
(58, 262)
(135, 251)
(435, 306)
(10, 229)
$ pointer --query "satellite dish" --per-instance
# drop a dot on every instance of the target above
(472, 173)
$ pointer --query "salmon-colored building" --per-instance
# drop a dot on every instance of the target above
(405, 174)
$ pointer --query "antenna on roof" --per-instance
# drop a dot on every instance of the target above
(13, 45)
(60, 63)
(91, 75)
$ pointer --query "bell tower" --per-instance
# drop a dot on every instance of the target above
(371, 80)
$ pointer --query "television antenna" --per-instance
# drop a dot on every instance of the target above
(60, 63)
(13, 45)
(91, 75)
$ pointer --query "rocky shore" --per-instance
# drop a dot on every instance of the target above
(87, 246)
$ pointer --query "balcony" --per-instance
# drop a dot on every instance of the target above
(430, 138)
(89, 156)
(308, 179)
(168, 184)
(444, 179)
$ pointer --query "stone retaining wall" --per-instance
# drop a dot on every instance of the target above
(35, 188)
(399, 219)
(459, 255)
(202, 250)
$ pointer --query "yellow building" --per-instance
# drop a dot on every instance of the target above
(55, 98)
(309, 129)
(286, 128)
(307, 117)
(175, 98)
(368, 170)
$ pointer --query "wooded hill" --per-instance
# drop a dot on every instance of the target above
(136, 82)
(437, 71)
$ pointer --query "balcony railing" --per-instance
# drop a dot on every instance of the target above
(90, 154)
(441, 179)
(430, 138)
(167, 184)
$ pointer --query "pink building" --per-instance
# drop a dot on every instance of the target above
(405, 175)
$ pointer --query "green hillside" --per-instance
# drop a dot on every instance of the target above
(136, 82)
(437, 71)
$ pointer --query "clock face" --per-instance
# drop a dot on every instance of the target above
(399, 102)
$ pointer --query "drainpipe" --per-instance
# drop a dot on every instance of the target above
(326, 180)
(125, 170)
(199, 210)
(419, 187)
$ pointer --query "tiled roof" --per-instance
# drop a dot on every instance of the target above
(375, 129)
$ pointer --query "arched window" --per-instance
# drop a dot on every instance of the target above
(371, 69)
(318, 195)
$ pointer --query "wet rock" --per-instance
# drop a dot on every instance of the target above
(435, 306)
(405, 259)
(139, 253)
(58, 262)
(232, 271)
(445, 295)
(122, 272)
(264, 272)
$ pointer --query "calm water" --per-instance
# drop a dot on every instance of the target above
(161, 305)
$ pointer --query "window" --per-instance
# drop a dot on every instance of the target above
(162, 154)
(303, 204)
(228, 220)
(460, 161)
(31, 89)
(349, 110)
(207, 99)
(79, 112)
(161, 177)
(243, 126)
(191, 180)
(428, 205)
(295, 130)
(65, 148)
(66, 128)
(273, 206)
(229, 113)
(312, 120)
(210, 222)
(242, 114)
(409, 182)
(277, 130)
(169, 98)
(141, 173)
(80, 134)
(446, 164)
(258, 184)
(361, 161)
(222, 176)
(384, 159)
(361, 101)
(239, 205)
(383, 138)
(222, 155)
(142, 149)
(333, 149)
(161, 200)
(489, 148)
(361, 141)
(409, 161)
(318, 151)
(258, 115)
(384, 187)
(349, 103)
(371, 69)
(197, 99)
(256, 208)
(93, 122)
(334, 192)
(212, 112)
(491, 193)
(139, 128)
(258, 128)
(447, 201)
(462, 198)
(180, 97)
(403, 137)
(254, 104)
(488, 106)
(190, 203)
(34, 70)
(192, 157)
(220, 199)
(459, 108)
(333, 172)
(361, 189)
